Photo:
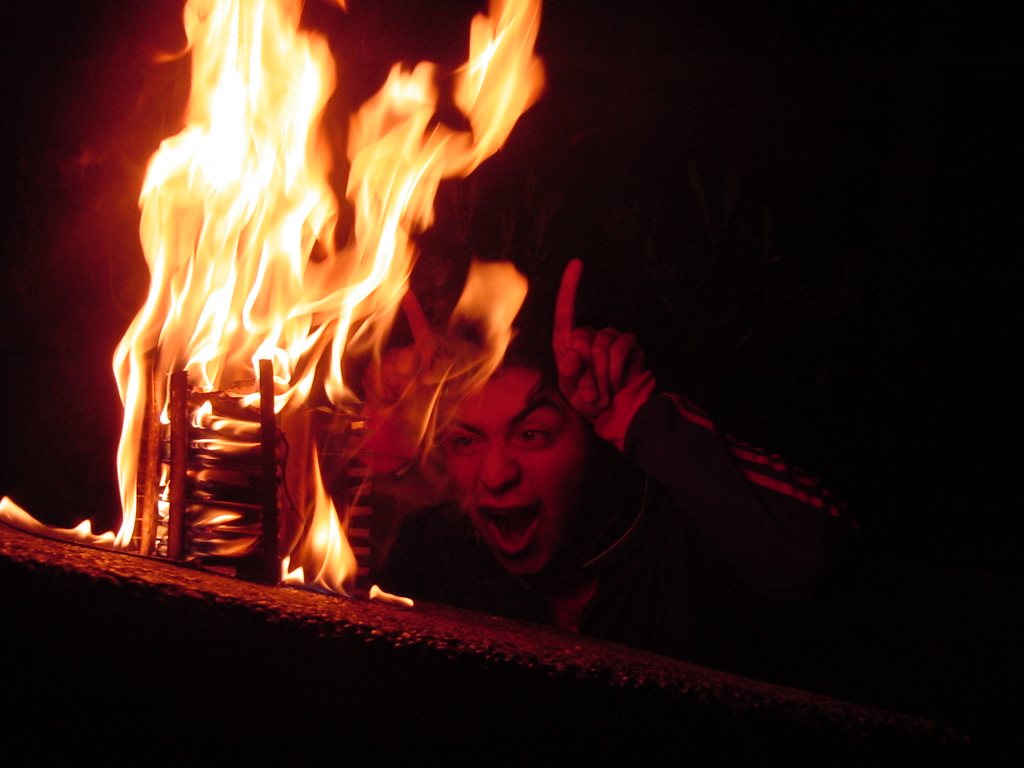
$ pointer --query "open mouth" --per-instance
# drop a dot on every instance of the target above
(512, 528)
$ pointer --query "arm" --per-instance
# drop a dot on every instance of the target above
(399, 387)
(770, 527)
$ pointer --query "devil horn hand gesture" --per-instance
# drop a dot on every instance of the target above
(388, 380)
(396, 387)
(600, 373)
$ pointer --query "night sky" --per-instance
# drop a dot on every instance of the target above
(848, 294)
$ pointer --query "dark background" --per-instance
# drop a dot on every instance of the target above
(809, 212)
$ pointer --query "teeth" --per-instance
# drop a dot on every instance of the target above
(514, 526)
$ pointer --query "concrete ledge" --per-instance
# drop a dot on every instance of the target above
(131, 656)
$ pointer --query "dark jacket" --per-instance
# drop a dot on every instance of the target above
(711, 552)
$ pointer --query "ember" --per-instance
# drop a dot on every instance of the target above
(238, 230)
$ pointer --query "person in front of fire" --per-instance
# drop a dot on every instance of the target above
(585, 500)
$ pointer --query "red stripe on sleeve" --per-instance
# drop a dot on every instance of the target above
(759, 458)
(690, 413)
(815, 495)
(773, 462)
(789, 490)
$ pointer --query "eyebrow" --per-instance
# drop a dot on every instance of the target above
(545, 401)
(468, 427)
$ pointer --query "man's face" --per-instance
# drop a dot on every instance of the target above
(516, 458)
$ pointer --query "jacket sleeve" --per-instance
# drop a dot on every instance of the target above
(774, 530)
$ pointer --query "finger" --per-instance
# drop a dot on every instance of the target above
(570, 366)
(422, 334)
(379, 380)
(637, 365)
(600, 364)
(565, 307)
(582, 343)
(620, 356)
(401, 370)
(587, 390)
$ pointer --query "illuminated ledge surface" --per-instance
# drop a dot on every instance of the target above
(114, 654)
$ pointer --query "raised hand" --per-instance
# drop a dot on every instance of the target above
(396, 389)
(402, 367)
(600, 373)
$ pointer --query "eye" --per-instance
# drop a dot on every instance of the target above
(464, 444)
(534, 439)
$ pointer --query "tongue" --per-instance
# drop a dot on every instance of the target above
(514, 529)
(516, 523)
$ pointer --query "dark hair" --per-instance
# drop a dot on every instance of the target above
(531, 345)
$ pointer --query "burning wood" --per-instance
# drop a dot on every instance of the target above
(218, 492)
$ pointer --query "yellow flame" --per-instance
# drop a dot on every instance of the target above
(14, 515)
(397, 162)
(231, 209)
(493, 293)
(323, 558)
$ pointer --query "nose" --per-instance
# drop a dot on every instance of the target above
(499, 471)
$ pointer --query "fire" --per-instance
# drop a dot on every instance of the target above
(238, 230)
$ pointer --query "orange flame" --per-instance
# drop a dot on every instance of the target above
(235, 205)
(322, 559)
